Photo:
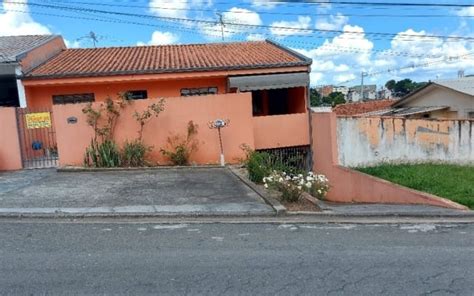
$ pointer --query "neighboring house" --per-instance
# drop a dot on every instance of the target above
(360, 108)
(354, 93)
(437, 99)
(18, 55)
(342, 89)
(276, 77)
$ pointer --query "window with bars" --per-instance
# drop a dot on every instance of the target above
(202, 91)
(73, 99)
(136, 94)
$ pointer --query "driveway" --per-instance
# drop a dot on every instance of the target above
(207, 191)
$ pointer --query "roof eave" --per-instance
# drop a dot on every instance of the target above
(161, 71)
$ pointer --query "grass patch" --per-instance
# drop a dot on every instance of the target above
(454, 182)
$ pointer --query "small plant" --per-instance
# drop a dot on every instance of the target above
(142, 118)
(292, 186)
(320, 186)
(258, 166)
(134, 153)
(104, 154)
(181, 147)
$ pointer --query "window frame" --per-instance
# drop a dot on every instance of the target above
(198, 91)
(78, 98)
(137, 92)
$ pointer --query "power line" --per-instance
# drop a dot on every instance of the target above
(350, 3)
(261, 12)
(283, 28)
(209, 31)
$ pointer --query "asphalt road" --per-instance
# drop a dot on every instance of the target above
(229, 259)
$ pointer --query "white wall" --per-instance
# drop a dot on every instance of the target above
(369, 141)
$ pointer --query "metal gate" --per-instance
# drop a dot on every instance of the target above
(37, 138)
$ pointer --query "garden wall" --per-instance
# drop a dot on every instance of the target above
(10, 157)
(73, 138)
(352, 186)
(364, 141)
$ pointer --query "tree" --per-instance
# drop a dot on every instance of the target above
(334, 98)
(315, 98)
(403, 87)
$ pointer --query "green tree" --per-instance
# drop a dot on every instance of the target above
(334, 98)
(315, 98)
(403, 87)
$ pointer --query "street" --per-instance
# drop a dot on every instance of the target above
(40, 258)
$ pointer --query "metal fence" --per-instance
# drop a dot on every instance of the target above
(37, 138)
(298, 157)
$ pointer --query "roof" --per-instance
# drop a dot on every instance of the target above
(362, 107)
(13, 47)
(463, 85)
(406, 111)
(110, 61)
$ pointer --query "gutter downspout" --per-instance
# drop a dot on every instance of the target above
(19, 86)
(308, 107)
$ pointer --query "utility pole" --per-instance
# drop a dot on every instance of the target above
(221, 22)
(362, 75)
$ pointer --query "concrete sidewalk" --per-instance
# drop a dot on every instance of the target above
(184, 191)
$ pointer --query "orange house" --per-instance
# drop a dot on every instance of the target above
(275, 79)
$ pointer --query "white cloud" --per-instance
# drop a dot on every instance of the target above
(19, 23)
(333, 22)
(255, 37)
(345, 56)
(233, 19)
(72, 44)
(175, 9)
(286, 28)
(161, 38)
(468, 11)
(267, 4)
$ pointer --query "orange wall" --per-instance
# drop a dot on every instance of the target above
(74, 138)
(42, 53)
(41, 96)
(281, 130)
(10, 158)
(351, 186)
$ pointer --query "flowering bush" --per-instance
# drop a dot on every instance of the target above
(293, 186)
(320, 186)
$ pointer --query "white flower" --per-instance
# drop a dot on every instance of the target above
(299, 187)
(308, 185)
(265, 185)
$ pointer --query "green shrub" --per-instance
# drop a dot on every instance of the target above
(134, 153)
(258, 166)
(180, 148)
(105, 154)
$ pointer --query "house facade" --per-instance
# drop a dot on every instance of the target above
(445, 99)
(19, 55)
(275, 80)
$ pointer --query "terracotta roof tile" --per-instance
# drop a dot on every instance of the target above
(362, 107)
(167, 58)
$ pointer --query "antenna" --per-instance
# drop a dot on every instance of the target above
(91, 36)
(221, 22)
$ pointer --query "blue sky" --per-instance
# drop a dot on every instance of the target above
(337, 37)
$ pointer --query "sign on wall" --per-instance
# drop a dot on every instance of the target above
(38, 120)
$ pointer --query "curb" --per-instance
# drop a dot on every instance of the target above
(294, 217)
(275, 204)
(124, 169)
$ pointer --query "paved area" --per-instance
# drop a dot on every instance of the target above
(182, 191)
(227, 259)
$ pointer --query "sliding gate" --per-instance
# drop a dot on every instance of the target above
(37, 138)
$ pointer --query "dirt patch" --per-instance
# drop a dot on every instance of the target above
(301, 205)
